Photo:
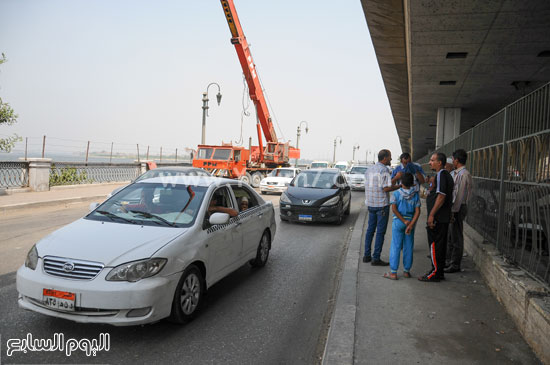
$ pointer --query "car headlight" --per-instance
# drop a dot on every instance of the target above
(285, 199)
(136, 270)
(332, 201)
(32, 258)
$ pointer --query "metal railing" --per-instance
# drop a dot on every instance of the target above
(70, 173)
(509, 159)
(14, 174)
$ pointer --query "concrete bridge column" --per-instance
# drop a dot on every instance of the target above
(448, 125)
(39, 173)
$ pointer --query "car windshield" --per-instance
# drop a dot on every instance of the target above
(221, 154)
(319, 165)
(341, 167)
(162, 172)
(205, 153)
(283, 173)
(316, 179)
(152, 204)
(358, 170)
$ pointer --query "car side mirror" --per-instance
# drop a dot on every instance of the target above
(287, 184)
(219, 218)
(93, 206)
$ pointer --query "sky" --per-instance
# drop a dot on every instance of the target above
(133, 72)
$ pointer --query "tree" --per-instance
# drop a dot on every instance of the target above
(7, 117)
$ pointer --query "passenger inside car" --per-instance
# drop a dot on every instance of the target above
(217, 205)
(243, 205)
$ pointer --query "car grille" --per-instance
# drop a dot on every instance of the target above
(71, 269)
(357, 181)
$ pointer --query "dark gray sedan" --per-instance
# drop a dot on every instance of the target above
(316, 195)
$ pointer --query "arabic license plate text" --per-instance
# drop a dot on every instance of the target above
(59, 300)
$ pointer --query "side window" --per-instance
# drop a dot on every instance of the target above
(245, 198)
(220, 198)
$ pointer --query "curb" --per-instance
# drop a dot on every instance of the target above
(340, 345)
(16, 207)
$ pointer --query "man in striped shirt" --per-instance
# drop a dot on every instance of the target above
(462, 191)
(378, 185)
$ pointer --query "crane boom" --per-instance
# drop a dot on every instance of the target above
(249, 69)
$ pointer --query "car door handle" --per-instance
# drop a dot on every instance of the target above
(260, 215)
(238, 223)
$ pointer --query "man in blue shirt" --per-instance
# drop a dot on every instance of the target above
(412, 168)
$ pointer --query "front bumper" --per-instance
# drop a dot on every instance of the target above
(98, 300)
(318, 214)
(272, 188)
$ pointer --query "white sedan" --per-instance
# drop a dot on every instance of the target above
(356, 177)
(149, 252)
(277, 181)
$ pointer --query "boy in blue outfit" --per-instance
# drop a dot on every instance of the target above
(405, 204)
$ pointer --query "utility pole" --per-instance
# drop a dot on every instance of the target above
(334, 154)
(298, 138)
(356, 147)
(205, 109)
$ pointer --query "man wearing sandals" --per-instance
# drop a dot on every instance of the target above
(405, 204)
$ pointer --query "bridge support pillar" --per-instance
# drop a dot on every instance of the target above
(448, 125)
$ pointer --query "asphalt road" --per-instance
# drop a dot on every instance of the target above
(275, 315)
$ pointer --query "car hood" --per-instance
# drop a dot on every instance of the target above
(107, 242)
(277, 179)
(296, 194)
(356, 176)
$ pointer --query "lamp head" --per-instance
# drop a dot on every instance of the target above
(219, 98)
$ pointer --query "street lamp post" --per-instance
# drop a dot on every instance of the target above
(356, 147)
(298, 138)
(205, 108)
(334, 154)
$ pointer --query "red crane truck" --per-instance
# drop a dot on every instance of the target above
(248, 164)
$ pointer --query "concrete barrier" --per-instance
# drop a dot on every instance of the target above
(526, 300)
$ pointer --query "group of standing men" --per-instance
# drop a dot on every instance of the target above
(448, 194)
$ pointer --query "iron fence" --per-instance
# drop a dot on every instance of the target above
(70, 173)
(509, 158)
(14, 174)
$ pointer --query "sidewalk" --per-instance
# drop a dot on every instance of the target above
(457, 321)
(57, 195)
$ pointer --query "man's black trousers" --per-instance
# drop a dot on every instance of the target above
(437, 239)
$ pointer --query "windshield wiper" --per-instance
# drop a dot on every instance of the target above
(149, 215)
(112, 216)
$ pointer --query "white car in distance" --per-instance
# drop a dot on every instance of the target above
(356, 177)
(319, 165)
(149, 252)
(277, 181)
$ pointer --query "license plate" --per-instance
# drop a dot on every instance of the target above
(270, 186)
(60, 300)
(304, 217)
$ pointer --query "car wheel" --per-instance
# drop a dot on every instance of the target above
(283, 219)
(263, 192)
(340, 216)
(256, 179)
(262, 253)
(246, 178)
(188, 296)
